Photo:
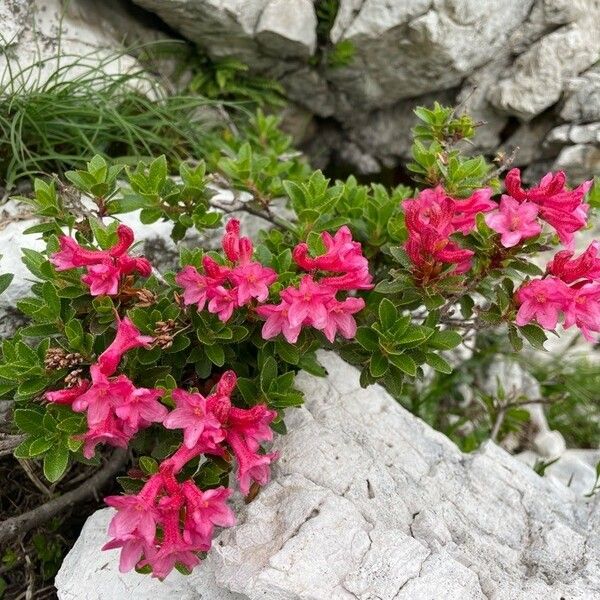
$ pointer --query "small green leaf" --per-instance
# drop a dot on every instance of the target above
(5, 281)
(534, 334)
(378, 365)
(404, 362)
(216, 354)
(29, 420)
(445, 340)
(367, 338)
(55, 462)
(438, 363)
(148, 464)
(387, 314)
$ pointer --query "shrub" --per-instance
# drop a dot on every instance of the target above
(194, 369)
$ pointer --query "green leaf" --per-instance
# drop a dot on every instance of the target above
(268, 374)
(367, 338)
(23, 450)
(438, 363)
(534, 334)
(514, 338)
(5, 280)
(445, 340)
(148, 464)
(378, 365)
(387, 314)
(40, 445)
(29, 420)
(216, 354)
(404, 362)
(55, 462)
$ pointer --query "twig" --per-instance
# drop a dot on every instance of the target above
(505, 165)
(15, 526)
(26, 465)
(9, 442)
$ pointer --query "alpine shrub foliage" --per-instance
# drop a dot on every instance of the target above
(194, 369)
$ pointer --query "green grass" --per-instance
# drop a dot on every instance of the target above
(52, 124)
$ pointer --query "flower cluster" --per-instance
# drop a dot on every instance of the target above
(561, 208)
(571, 286)
(517, 217)
(185, 515)
(314, 302)
(226, 288)
(431, 219)
(115, 409)
(104, 268)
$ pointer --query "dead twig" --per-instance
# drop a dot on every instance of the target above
(15, 526)
(9, 442)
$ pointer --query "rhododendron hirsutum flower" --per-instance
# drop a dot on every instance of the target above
(569, 269)
(542, 300)
(197, 422)
(185, 515)
(127, 338)
(429, 221)
(226, 288)
(583, 309)
(514, 221)
(561, 208)
(277, 321)
(105, 268)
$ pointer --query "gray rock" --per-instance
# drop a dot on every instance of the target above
(502, 61)
(369, 502)
(582, 98)
(287, 28)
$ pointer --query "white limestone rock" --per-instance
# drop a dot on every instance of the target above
(369, 502)
(39, 36)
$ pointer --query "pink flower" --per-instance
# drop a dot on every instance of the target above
(339, 317)
(132, 547)
(141, 408)
(204, 511)
(515, 222)
(354, 280)
(429, 224)
(237, 249)
(128, 337)
(104, 267)
(68, 395)
(197, 288)
(251, 423)
(468, 208)
(128, 264)
(103, 279)
(197, 422)
(277, 322)
(562, 209)
(109, 431)
(222, 302)
(136, 516)
(102, 396)
(72, 256)
(252, 280)
(542, 300)
(307, 303)
(584, 309)
(569, 269)
(251, 466)
(342, 254)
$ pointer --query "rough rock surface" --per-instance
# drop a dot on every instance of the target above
(508, 61)
(39, 36)
(367, 502)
